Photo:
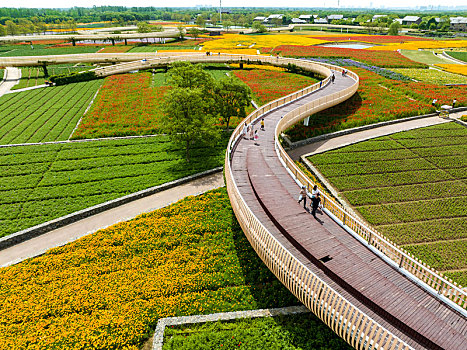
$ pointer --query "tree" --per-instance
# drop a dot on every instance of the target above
(11, 28)
(194, 32)
(201, 22)
(227, 25)
(181, 32)
(186, 119)
(143, 27)
(259, 27)
(231, 97)
(394, 28)
(186, 75)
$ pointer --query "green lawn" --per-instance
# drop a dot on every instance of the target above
(304, 332)
(458, 55)
(159, 48)
(32, 76)
(411, 186)
(46, 114)
(44, 50)
(40, 183)
(427, 57)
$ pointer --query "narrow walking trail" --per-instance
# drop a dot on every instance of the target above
(39, 245)
(344, 140)
(13, 76)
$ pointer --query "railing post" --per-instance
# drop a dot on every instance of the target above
(324, 202)
(344, 218)
(441, 286)
(370, 237)
(402, 261)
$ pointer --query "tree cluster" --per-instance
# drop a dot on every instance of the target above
(197, 102)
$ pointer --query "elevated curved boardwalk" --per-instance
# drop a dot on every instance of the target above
(361, 296)
(370, 292)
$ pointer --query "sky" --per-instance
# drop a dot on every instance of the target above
(227, 3)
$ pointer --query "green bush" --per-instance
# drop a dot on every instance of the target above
(77, 77)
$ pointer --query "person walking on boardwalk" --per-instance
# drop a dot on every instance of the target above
(256, 137)
(244, 130)
(302, 196)
(320, 83)
(262, 124)
(314, 200)
(333, 77)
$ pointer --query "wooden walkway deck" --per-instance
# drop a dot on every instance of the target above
(348, 266)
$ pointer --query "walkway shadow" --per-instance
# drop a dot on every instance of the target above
(264, 287)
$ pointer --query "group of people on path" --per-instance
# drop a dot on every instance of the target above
(315, 199)
(454, 102)
(249, 128)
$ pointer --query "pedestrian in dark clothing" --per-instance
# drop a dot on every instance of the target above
(320, 83)
(314, 201)
(333, 77)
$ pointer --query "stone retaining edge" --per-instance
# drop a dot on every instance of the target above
(158, 338)
(292, 145)
(24, 235)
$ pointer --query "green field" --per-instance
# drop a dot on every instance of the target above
(33, 76)
(433, 76)
(44, 50)
(458, 55)
(304, 332)
(47, 114)
(427, 57)
(40, 183)
(412, 187)
(159, 48)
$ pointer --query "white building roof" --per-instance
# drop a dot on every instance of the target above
(259, 18)
(276, 16)
(298, 20)
(321, 21)
(305, 16)
(458, 20)
(333, 17)
(410, 18)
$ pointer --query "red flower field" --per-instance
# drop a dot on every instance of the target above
(125, 105)
(269, 85)
(390, 59)
(371, 38)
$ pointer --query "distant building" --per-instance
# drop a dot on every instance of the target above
(458, 24)
(334, 17)
(398, 20)
(321, 21)
(298, 21)
(307, 18)
(376, 17)
(259, 19)
(409, 20)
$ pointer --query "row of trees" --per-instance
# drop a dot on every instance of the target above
(197, 103)
(26, 26)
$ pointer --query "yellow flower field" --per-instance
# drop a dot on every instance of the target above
(454, 68)
(107, 290)
(235, 41)
(415, 45)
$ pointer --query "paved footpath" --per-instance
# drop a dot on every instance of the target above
(61, 236)
(326, 145)
(14, 74)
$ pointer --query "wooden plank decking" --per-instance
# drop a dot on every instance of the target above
(375, 287)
